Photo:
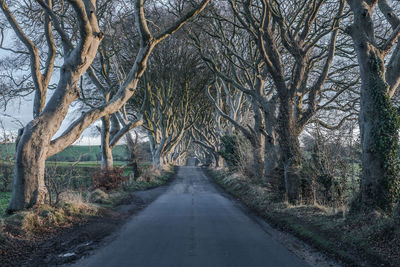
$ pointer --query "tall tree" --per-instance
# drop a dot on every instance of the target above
(105, 76)
(379, 60)
(287, 67)
(36, 143)
(292, 38)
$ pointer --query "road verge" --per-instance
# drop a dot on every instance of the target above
(353, 241)
(76, 229)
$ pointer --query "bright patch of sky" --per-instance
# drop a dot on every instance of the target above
(19, 110)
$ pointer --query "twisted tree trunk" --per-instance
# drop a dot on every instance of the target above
(271, 157)
(258, 143)
(33, 146)
(291, 153)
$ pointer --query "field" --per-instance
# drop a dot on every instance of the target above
(81, 153)
(82, 163)
(71, 169)
(72, 153)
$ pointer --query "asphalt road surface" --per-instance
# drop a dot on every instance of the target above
(192, 224)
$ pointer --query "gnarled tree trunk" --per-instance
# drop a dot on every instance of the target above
(32, 149)
(271, 157)
(291, 153)
(258, 143)
(29, 187)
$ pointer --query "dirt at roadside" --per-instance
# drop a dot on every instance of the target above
(70, 244)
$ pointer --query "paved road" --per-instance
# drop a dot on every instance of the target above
(192, 224)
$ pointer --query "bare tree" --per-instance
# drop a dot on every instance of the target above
(253, 133)
(36, 143)
(238, 69)
(292, 38)
(106, 74)
(286, 67)
(166, 118)
(206, 134)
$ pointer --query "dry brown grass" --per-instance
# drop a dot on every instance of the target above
(149, 175)
(73, 197)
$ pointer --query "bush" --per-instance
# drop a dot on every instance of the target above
(60, 179)
(329, 176)
(229, 150)
(107, 180)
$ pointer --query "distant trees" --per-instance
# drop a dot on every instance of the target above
(172, 87)
(206, 134)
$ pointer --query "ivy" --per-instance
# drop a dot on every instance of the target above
(229, 149)
(385, 133)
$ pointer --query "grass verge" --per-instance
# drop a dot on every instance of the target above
(74, 207)
(363, 240)
(150, 178)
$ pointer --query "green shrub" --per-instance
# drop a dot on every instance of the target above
(229, 149)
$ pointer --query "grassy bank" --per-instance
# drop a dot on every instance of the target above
(75, 225)
(366, 240)
(149, 179)
(73, 207)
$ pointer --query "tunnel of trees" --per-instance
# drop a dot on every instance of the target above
(299, 96)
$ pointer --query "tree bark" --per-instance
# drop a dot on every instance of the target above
(29, 187)
(32, 149)
(258, 143)
(271, 157)
(157, 161)
(156, 156)
(291, 153)
(106, 150)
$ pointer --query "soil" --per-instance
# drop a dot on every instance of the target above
(67, 245)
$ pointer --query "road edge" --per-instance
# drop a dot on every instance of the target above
(300, 248)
